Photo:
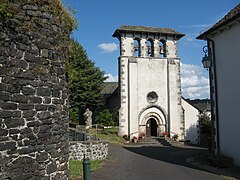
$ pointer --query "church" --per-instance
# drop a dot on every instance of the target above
(149, 89)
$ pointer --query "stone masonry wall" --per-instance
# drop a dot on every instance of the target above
(33, 94)
(92, 150)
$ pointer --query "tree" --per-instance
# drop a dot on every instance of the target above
(85, 80)
(107, 118)
(205, 124)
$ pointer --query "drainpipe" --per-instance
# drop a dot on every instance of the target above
(211, 50)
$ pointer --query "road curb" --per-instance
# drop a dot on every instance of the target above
(232, 172)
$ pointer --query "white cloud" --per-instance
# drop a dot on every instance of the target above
(108, 47)
(194, 81)
(189, 39)
(111, 78)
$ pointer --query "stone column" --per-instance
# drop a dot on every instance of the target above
(33, 90)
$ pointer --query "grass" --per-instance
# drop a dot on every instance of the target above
(76, 168)
(110, 134)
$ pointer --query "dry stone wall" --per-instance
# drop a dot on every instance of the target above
(93, 150)
(33, 94)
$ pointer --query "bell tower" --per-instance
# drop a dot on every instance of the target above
(149, 81)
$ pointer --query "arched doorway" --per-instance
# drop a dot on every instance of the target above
(151, 127)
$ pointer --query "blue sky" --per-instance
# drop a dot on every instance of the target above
(98, 19)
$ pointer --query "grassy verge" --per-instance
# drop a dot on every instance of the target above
(110, 134)
(76, 168)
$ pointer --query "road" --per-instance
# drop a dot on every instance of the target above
(152, 163)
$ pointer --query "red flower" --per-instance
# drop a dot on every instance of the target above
(134, 137)
(165, 133)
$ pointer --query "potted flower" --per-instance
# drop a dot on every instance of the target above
(125, 137)
(134, 139)
(165, 134)
(175, 137)
(142, 135)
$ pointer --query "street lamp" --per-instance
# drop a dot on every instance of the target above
(207, 63)
(206, 60)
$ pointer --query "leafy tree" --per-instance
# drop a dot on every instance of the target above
(205, 124)
(85, 81)
(107, 118)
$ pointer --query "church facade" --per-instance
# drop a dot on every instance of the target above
(149, 83)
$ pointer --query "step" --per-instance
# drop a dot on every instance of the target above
(164, 141)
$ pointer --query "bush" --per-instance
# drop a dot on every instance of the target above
(73, 115)
(205, 124)
(107, 118)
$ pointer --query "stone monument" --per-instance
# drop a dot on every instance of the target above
(88, 118)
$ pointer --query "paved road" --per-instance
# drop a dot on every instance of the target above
(151, 163)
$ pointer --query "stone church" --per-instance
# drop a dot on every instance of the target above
(149, 84)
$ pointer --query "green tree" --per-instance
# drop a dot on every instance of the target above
(205, 124)
(107, 118)
(85, 80)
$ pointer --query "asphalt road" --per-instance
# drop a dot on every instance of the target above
(151, 163)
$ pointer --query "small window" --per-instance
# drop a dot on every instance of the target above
(152, 97)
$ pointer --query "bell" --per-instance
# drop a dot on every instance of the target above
(161, 50)
(149, 50)
(135, 48)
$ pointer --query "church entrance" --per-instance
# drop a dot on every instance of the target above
(151, 127)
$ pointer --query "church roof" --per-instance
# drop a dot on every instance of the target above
(231, 16)
(146, 29)
(109, 87)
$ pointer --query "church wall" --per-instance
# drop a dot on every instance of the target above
(176, 124)
(142, 75)
(146, 75)
(123, 111)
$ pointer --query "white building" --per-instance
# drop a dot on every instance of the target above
(224, 51)
(149, 81)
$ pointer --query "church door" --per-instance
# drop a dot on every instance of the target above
(151, 128)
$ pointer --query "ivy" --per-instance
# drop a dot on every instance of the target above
(4, 10)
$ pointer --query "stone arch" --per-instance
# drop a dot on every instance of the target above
(136, 47)
(162, 48)
(153, 106)
(154, 112)
(150, 47)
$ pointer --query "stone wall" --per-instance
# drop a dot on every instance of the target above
(33, 94)
(93, 150)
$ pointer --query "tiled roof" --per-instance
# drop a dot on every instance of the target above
(202, 105)
(147, 29)
(109, 87)
(232, 15)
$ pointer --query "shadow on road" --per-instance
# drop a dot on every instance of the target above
(173, 155)
(179, 155)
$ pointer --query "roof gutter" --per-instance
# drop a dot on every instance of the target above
(205, 35)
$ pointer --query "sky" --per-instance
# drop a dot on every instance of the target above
(98, 19)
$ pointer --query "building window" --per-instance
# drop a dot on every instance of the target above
(150, 48)
(162, 48)
(152, 97)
